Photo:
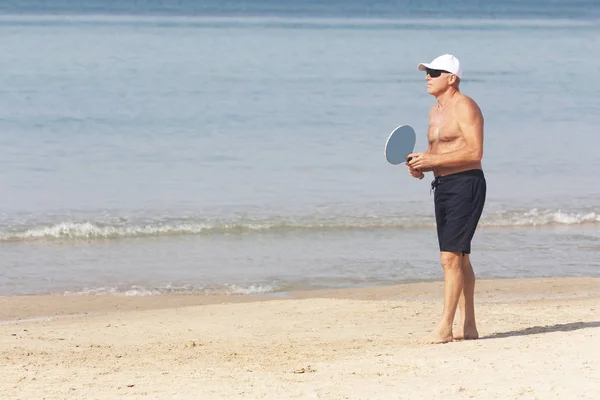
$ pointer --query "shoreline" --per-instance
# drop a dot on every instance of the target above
(33, 307)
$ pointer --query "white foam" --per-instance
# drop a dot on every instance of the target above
(251, 289)
(87, 230)
(70, 230)
(136, 290)
(537, 217)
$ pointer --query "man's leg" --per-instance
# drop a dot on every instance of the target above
(467, 328)
(453, 282)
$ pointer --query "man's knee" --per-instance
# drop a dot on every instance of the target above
(450, 259)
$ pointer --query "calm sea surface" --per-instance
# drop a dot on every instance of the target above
(237, 147)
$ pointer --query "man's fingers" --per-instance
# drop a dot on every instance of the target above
(412, 158)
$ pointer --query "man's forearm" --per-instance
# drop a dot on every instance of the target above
(428, 169)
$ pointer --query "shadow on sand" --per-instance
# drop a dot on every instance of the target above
(535, 330)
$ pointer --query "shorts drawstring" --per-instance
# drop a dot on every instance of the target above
(434, 184)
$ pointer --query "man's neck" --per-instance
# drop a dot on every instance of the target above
(446, 98)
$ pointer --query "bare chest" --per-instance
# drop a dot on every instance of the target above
(443, 127)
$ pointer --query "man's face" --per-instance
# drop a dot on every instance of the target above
(437, 81)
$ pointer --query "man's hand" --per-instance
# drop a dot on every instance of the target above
(415, 173)
(422, 161)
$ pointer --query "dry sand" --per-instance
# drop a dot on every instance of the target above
(540, 340)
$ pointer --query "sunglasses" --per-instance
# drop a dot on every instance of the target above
(434, 73)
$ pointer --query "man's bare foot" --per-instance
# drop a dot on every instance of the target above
(466, 333)
(440, 335)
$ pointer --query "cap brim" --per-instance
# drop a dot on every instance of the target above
(424, 66)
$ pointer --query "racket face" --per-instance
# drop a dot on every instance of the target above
(400, 143)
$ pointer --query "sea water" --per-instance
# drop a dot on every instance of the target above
(237, 147)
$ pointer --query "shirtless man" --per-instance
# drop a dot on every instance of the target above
(454, 155)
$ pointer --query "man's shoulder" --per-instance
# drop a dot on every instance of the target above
(465, 105)
(466, 101)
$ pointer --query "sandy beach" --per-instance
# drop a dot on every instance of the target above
(540, 339)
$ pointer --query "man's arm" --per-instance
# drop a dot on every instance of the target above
(428, 169)
(470, 122)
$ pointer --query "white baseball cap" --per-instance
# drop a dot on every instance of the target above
(445, 62)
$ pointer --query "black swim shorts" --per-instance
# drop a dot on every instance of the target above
(459, 199)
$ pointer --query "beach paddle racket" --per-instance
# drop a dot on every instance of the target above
(400, 143)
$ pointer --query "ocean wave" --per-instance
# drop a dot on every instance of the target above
(535, 217)
(90, 230)
(137, 290)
